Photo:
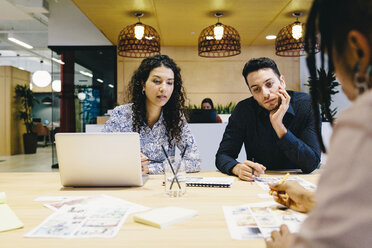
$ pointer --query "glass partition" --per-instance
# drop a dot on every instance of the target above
(94, 86)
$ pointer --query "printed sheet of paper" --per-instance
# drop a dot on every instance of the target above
(263, 182)
(57, 198)
(99, 216)
(258, 220)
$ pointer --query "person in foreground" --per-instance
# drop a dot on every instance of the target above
(275, 125)
(207, 104)
(340, 211)
(156, 113)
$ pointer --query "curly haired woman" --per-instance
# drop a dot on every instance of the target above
(156, 112)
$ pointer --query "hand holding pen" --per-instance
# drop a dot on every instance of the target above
(293, 195)
(248, 170)
(144, 164)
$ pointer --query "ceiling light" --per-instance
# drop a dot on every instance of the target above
(58, 61)
(111, 86)
(56, 85)
(85, 73)
(99, 80)
(297, 30)
(218, 31)
(81, 96)
(139, 30)
(19, 42)
(41, 78)
(47, 100)
(270, 37)
(138, 40)
(290, 40)
(219, 40)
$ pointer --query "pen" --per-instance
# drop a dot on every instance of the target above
(281, 181)
(183, 154)
(155, 161)
(170, 165)
(252, 168)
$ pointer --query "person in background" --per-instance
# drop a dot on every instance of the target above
(340, 211)
(156, 112)
(276, 126)
(207, 104)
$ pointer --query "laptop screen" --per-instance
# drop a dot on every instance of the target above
(202, 116)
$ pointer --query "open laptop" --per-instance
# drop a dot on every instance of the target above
(99, 159)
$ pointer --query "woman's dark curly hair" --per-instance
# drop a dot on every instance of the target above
(172, 110)
(333, 19)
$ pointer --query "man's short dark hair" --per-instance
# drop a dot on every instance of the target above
(259, 63)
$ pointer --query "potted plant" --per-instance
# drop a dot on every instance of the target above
(225, 111)
(324, 85)
(25, 99)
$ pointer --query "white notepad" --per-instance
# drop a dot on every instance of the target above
(223, 182)
(163, 217)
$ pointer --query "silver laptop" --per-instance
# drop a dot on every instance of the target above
(99, 159)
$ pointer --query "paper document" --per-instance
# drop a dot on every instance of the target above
(8, 219)
(263, 182)
(258, 220)
(58, 198)
(98, 216)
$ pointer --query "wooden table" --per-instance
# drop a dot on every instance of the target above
(208, 229)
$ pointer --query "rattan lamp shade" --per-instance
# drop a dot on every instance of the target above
(286, 45)
(228, 46)
(130, 46)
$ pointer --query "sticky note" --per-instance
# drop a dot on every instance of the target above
(2, 197)
(162, 217)
(9, 220)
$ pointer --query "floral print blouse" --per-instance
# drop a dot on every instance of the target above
(152, 139)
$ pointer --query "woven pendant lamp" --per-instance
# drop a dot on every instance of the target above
(219, 40)
(290, 40)
(138, 40)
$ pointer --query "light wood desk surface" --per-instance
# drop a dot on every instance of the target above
(208, 229)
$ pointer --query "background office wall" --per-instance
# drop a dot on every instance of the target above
(218, 78)
(11, 128)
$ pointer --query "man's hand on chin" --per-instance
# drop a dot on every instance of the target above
(277, 114)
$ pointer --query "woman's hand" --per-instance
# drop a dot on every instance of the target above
(294, 196)
(281, 239)
(144, 164)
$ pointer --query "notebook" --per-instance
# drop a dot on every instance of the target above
(223, 182)
(99, 159)
(163, 217)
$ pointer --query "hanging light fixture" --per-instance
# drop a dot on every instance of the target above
(219, 40)
(290, 40)
(138, 40)
(56, 85)
(41, 78)
(47, 100)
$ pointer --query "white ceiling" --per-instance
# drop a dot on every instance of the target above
(28, 22)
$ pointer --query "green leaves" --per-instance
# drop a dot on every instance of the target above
(24, 98)
(324, 86)
(227, 109)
